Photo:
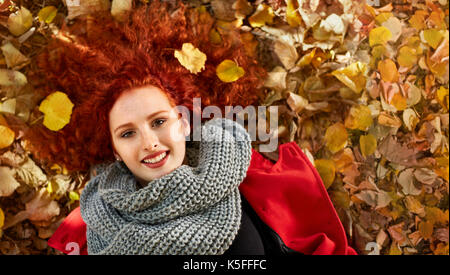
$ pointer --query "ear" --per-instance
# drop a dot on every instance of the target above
(186, 126)
(116, 155)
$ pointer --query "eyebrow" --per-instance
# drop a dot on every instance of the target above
(148, 118)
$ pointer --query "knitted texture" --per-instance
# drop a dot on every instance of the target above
(194, 210)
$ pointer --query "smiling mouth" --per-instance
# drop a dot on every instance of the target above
(156, 160)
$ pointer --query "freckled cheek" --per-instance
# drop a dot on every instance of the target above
(128, 150)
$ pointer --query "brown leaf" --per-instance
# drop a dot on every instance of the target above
(395, 152)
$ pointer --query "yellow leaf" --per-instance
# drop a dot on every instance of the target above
(388, 70)
(47, 14)
(336, 137)
(382, 17)
(442, 97)
(368, 145)
(399, 102)
(407, 57)
(292, 15)
(378, 51)
(228, 71)
(359, 117)
(353, 76)
(326, 170)
(379, 36)
(6, 137)
(73, 196)
(262, 16)
(20, 21)
(191, 58)
(307, 58)
(433, 37)
(2, 218)
(57, 109)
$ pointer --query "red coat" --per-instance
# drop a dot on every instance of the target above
(288, 196)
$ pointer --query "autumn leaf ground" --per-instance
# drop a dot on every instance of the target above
(362, 89)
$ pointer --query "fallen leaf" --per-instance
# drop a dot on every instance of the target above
(12, 78)
(333, 23)
(57, 109)
(359, 117)
(229, 71)
(336, 137)
(20, 21)
(397, 153)
(296, 102)
(47, 14)
(326, 170)
(368, 145)
(353, 76)
(191, 58)
(262, 16)
(292, 15)
(417, 21)
(8, 183)
(13, 57)
(426, 229)
(410, 119)
(413, 205)
(379, 36)
(121, 8)
(388, 70)
(406, 181)
(286, 53)
(6, 137)
(31, 174)
(77, 8)
(2, 219)
(425, 176)
(433, 37)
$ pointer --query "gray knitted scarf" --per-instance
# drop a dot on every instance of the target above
(194, 210)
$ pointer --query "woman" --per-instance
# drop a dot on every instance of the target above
(154, 193)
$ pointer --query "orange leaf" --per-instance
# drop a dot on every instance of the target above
(388, 70)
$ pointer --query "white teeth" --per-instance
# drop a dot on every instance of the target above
(157, 159)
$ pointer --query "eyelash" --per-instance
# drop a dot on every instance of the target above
(125, 135)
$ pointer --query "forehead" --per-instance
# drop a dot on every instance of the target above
(138, 103)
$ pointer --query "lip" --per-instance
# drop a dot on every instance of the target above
(155, 154)
(158, 164)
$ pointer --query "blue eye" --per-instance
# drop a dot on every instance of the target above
(126, 134)
(158, 122)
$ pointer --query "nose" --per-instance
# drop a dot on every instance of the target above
(150, 140)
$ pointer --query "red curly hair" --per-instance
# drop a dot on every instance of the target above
(97, 58)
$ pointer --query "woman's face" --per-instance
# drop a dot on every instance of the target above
(147, 133)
